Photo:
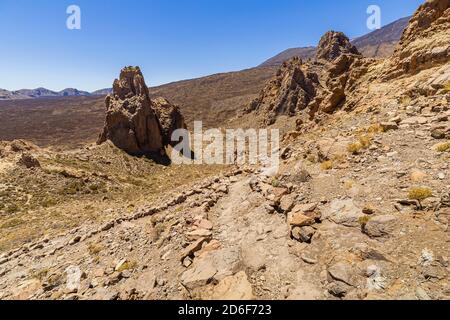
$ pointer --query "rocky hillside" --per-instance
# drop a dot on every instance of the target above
(379, 43)
(9, 95)
(382, 42)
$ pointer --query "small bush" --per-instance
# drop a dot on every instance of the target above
(447, 87)
(443, 147)
(354, 148)
(420, 193)
(375, 128)
(365, 141)
(129, 265)
(405, 100)
(363, 221)
(94, 249)
(327, 165)
(275, 183)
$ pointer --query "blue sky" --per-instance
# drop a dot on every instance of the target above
(170, 39)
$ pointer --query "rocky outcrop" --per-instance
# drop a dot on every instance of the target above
(170, 118)
(134, 122)
(425, 42)
(321, 86)
(291, 90)
(334, 44)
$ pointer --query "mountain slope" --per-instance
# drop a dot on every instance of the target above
(382, 42)
(379, 43)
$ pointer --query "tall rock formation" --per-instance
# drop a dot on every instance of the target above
(132, 118)
(303, 89)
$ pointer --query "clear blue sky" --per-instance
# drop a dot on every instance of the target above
(170, 39)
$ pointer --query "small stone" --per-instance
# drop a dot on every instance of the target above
(287, 202)
(368, 209)
(341, 272)
(187, 262)
(421, 294)
(438, 134)
(74, 276)
(235, 287)
(75, 240)
(387, 126)
(199, 234)
(303, 234)
(192, 248)
(109, 296)
(308, 259)
(200, 274)
(298, 219)
(204, 224)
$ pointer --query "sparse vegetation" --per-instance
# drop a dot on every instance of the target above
(364, 220)
(443, 147)
(354, 148)
(375, 128)
(327, 165)
(405, 100)
(275, 183)
(128, 265)
(94, 249)
(447, 87)
(420, 194)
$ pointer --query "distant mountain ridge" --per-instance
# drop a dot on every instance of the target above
(46, 93)
(379, 43)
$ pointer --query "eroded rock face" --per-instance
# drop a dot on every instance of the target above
(170, 118)
(334, 44)
(134, 122)
(321, 86)
(292, 89)
(425, 42)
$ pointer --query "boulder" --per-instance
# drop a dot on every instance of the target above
(343, 212)
(236, 287)
(380, 226)
(303, 234)
(134, 122)
(200, 274)
(297, 219)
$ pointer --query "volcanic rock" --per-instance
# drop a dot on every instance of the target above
(425, 42)
(170, 118)
(334, 44)
(131, 123)
(134, 122)
(292, 89)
